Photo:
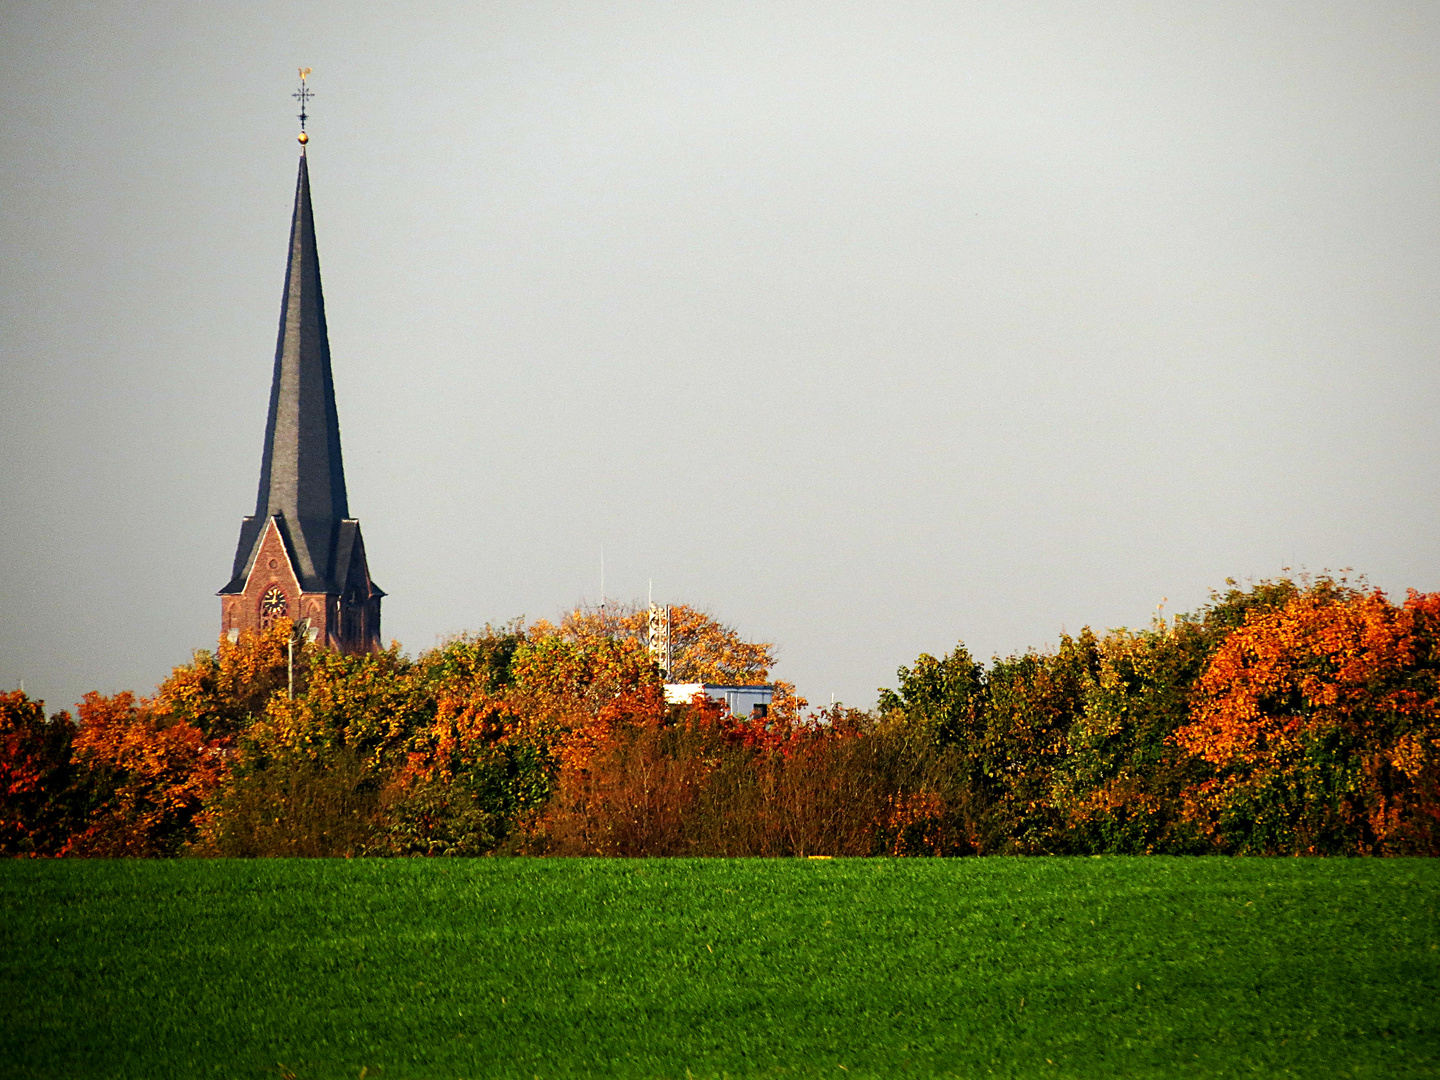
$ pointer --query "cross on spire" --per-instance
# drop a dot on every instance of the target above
(303, 95)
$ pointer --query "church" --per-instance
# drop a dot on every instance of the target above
(301, 554)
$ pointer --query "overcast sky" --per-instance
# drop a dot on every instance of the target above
(868, 326)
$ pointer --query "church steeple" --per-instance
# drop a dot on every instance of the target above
(302, 474)
(301, 553)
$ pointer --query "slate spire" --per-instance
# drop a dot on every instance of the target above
(302, 475)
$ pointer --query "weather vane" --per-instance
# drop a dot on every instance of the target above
(303, 95)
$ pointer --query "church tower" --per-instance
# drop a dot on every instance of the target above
(301, 555)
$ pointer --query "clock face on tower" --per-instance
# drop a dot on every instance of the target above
(272, 605)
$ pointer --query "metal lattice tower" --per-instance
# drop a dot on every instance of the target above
(661, 648)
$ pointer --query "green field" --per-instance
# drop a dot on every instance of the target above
(668, 968)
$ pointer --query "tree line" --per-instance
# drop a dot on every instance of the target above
(1287, 717)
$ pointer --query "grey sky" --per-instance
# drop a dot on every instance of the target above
(868, 326)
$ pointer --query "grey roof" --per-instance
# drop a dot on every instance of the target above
(302, 476)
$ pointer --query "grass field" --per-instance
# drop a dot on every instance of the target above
(843, 968)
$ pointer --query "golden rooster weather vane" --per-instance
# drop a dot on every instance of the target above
(303, 95)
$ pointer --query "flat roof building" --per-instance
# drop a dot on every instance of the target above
(741, 700)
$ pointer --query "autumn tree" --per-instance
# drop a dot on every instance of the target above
(145, 776)
(1006, 730)
(38, 808)
(705, 649)
(1321, 719)
(224, 691)
(1120, 786)
(132, 777)
(442, 754)
(306, 776)
(1286, 716)
(513, 710)
(943, 698)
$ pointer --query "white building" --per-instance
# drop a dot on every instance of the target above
(738, 700)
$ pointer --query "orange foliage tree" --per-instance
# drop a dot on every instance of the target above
(147, 775)
(1322, 721)
(131, 778)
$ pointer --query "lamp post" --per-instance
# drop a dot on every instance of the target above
(300, 630)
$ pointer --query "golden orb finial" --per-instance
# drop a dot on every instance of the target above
(304, 138)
